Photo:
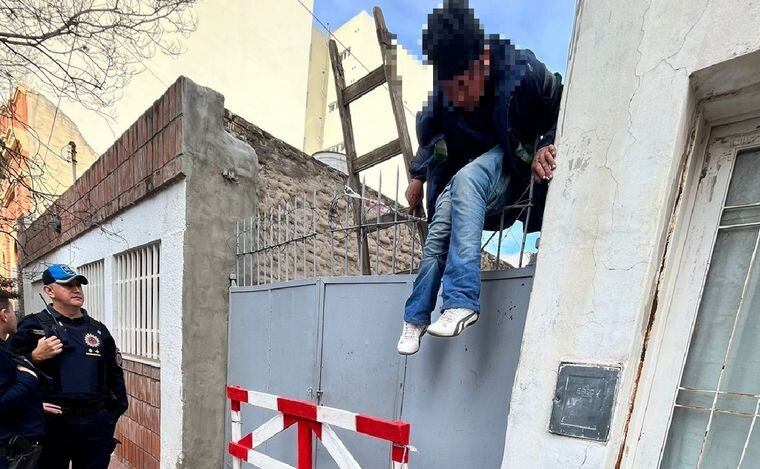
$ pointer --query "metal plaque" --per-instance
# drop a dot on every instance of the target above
(583, 401)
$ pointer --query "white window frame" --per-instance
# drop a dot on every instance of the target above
(136, 287)
(682, 287)
(95, 290)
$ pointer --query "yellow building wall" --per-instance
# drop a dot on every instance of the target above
(254, 52)
(372, 115)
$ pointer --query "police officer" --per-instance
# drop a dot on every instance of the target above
(87, 381)
(21, 422)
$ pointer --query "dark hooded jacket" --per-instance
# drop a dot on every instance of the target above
(519, 113)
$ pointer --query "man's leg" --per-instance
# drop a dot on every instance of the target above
(478, 188)
(425, 290)
(56, 444)
(421, 302)
(92, 450)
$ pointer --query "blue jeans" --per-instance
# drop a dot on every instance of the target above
(452, 248)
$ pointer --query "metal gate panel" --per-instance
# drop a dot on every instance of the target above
(274, 337)
(361, 370)
(456, 393)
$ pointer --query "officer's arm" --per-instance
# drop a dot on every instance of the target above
(24, 341)
(117, 391)
(17, 388)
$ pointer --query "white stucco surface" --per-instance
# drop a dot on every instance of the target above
(627, 114)
(159, 218)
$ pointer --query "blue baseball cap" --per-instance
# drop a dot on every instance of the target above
(63, 274)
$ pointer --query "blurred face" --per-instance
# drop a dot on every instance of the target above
(67, 294)
(8, 321)
(466, 89)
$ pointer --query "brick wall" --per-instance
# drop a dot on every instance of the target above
(142, 161)
(139, 429)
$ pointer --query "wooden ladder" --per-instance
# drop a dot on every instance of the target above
(386, 73)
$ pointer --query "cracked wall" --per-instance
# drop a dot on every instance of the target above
(626, 122)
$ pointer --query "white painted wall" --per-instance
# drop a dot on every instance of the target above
(624, 128)
(158, 218)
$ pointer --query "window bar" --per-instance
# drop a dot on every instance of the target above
(143, 300)
(156, 298)
(728, 351)
(148, 299)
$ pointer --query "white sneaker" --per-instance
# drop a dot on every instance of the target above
(452, 322)
(411, 337)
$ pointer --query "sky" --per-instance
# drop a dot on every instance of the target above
(544, 26)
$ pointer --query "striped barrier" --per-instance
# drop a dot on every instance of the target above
(310, 419)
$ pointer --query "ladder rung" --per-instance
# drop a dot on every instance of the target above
(377, 156)
(364, 85)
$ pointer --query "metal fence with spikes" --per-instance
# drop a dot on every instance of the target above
(314, 234)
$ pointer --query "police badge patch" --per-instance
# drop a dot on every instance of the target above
(91, 340)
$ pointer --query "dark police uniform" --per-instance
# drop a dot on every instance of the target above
(20, 403)
(86, 381)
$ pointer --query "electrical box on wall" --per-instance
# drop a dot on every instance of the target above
(583, 400)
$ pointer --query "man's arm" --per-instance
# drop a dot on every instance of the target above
(117, 391)
(547, 88)
(30, 341)
(17, 385)
(427, 138)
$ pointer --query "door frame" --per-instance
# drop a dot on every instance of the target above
(685, 270)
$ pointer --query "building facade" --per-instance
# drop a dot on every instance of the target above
(648, 256)
(37, 164)
(159, 208)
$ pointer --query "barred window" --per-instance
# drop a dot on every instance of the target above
(94, 291)
(136, 283)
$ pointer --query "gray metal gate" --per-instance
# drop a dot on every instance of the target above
(333, 341)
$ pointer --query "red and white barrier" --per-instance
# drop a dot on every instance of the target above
(310, 418)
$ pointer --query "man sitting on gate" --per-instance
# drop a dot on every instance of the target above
(487, 128)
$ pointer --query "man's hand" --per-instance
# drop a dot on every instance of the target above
(49, 408)
(24, 369)
(47, 347)
(414, 193)
(544, 163)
